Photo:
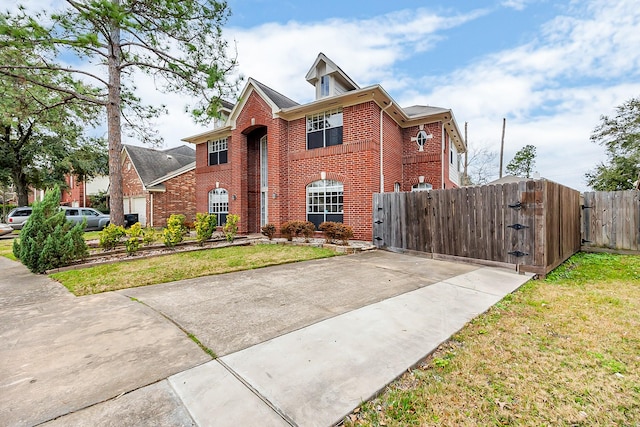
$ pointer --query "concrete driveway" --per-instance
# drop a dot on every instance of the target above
(299, 344)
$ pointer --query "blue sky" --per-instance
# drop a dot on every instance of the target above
(550, 67)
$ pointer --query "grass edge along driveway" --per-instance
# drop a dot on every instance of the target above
(564, 351)
(183, 265)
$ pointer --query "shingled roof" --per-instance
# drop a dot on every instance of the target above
(152, 165)
(279, 99)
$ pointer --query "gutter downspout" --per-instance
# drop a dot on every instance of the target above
(443, 155)
(443, 149)
(151, 213)
(381, 147)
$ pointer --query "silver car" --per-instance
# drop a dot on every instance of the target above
(96, 220)
(5, 229)
(18, 216)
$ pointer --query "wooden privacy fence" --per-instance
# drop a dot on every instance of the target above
(611, 219)
(531, 225)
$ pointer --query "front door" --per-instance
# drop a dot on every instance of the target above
(264, 182)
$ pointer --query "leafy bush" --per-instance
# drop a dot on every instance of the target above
(111, 235)
(48, 240)
(205, 225)
(149, 235)
(269, 230)
(291, 229)
(230, 228)
(134, 233)
(174, 232)
(336, 231)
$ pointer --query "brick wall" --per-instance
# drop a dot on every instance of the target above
(179, 198)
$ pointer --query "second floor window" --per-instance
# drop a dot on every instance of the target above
(218, 152)
(324, 129)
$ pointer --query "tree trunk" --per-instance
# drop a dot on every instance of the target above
(21, 187)
(114, 131)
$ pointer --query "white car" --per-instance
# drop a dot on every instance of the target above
(5, 229)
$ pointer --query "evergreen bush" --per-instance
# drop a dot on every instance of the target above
(230, 228)
(204, 225)
(110, 236)
(48, 240)
(174, 232)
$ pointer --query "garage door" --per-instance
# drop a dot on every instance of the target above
(139, 206)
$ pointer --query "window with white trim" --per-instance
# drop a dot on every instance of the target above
(324, 129)
(422, 186)
(218, 151)
(325, 201)
(219, 204)
(324, 86)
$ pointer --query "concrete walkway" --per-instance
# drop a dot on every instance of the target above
(301, 344)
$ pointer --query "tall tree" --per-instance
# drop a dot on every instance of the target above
(482, 166)
(177, 42)
(620, 135)
(523, 162)
(42, 131)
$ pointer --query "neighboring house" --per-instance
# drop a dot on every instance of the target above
(275, 160)
(77, 192)
(157, 184)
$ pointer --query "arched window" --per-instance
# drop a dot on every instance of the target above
(219, 204)
(325, 201)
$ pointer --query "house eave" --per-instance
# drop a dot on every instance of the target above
(208, 135)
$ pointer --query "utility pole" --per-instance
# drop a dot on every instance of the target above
(504, 125)
(466, 156)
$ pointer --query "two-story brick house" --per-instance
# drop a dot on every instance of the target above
(275, 160)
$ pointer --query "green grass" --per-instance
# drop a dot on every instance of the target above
(183, 265)
(563, 351)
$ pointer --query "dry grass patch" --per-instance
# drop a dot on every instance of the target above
(565, 351)
(184, 265)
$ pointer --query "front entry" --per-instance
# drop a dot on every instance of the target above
(257, 180)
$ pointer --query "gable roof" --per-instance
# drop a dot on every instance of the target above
(331, 68)
(277, 98)
(156, 166)
(288, 109)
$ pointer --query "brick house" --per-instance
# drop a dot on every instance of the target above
(77, 192)
(275, 160)
(157, 184)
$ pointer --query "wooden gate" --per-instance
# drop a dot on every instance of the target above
(531, 225)
(611, 219)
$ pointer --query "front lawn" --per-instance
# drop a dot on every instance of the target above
(184, 265)
(564, 351)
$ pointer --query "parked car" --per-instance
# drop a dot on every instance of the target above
(96, 220)
(5, 229)
(18, 216)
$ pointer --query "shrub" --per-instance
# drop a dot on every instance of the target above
(230, 228)
(269, 230)
(205, 225)
(291, 229)
(288, 230)
(48, 240)
(149, 235)
(110, 236)
(132, 244)
(308, 229)
(174, 232)
(336, 231)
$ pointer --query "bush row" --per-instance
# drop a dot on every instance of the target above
(334, 232)
(204, 226)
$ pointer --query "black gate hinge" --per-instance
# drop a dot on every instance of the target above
(518, 254)
(517, 226)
